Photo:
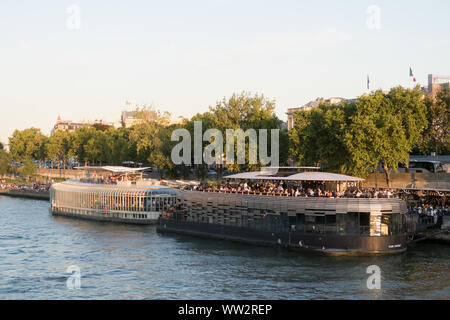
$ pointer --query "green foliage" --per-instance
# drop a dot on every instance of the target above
(353, 138)
(319, 137)
(82, 141)
(27, 143)
(28, 168)
(5, 162)
(242, 111)
(101, 126)
(436, 138)
(119, 145)
(59, 145)
(151, 138)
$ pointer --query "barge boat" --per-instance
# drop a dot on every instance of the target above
(328, 225)
(113, 203)
(332, 226)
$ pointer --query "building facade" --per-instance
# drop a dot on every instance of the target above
(310, 105)
(128, 119)
(436, 83)
(72, 126)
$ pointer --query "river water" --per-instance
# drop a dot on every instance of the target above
(119, 261)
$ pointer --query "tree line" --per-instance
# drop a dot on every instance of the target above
(354, 137)
(381, 128)
(148, 141)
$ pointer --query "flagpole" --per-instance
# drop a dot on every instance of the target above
(368, 84)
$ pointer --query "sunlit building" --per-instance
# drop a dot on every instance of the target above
(309, 106)
(72, 126)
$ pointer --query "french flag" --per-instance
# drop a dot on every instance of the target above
(411, 74)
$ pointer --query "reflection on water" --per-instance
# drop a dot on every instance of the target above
(135, 262)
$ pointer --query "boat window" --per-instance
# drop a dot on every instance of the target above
(284, 223)
(386, 224)
(310, 222)
(330, 223)
(351, 225)
(292, 223)
(319, 224)
(300, 223)
(364, 223)
(340, 223)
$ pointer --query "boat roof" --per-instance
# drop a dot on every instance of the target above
(302, 176)
(74, 185)
(114, 169)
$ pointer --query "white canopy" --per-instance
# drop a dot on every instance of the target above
(114, 169)
(303, 176)
(322, 176)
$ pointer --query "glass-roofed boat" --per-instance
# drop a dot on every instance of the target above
(122, 201)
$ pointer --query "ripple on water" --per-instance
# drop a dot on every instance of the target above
(135, 262)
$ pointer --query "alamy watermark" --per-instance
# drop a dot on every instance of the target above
(235, 139)
(74, 280)
(73, 21)
(374, 280)
(373, 21)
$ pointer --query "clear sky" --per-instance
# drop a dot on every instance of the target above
(182, 56)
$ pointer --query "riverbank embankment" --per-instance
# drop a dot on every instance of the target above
(30, 194)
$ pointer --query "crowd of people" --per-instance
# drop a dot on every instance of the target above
(430, 210)
(109, 179)
(422, 208)
(282, 189)
(100, 180)
(38, 187)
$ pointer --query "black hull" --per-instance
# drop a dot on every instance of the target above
(328, 244)
(104, 218)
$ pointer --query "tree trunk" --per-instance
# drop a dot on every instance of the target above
(388, 175)
(375, 172)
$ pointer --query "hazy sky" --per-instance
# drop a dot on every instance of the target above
(182, 56)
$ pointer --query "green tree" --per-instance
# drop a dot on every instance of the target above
(385, 129)
(82, 143)
(27, 143)
(242, 111)
(59, 146)
(28, 168)
(151, 138)
(354, 137)
(97, 149)
(102, 126)
(5, 162)
(318, 137)
(436, 137)
(119, 143)
(208, 121)
(160, 156)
